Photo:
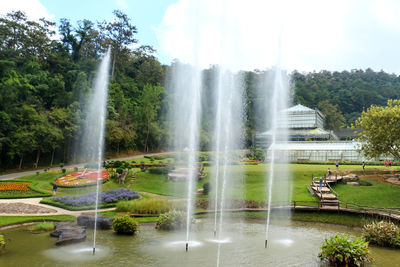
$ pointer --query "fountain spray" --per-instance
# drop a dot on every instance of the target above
(96, 119)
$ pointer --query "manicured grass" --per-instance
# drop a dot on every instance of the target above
(378, 195)
(8, 220)
(248, 182)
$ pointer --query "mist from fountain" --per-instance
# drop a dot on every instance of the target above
(186, 87)
(92, 145)
(278, 176)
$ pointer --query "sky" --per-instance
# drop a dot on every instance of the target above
(306, 35)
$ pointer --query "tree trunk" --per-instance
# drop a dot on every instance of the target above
(37, 158)
(20, 162)
(113, 68)
(52, 158)
(147, 137)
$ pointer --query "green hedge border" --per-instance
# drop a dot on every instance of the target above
(51, 202)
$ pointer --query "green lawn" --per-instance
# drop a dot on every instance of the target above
(8, 220)
(248, 182)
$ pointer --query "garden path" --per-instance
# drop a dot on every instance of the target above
(26, 206)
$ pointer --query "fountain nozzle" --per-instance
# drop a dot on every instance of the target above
(94, 251)
(187, 246)
(266, 241)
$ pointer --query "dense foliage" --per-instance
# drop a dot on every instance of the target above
(340, 250)
(380, 132)
(125, 225)
(383, 234)
(171, 220)
(45, 83)
(109, 196)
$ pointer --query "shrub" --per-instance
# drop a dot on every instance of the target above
(125, 225)
(383, 234)
(149, 206)
(64, 170)
(364, 183)
(171, 220)
(340, 250)
(160, 170)
(206, 188)
(2, 243)
(61, 165)
(41, 227)
(119, 170)
(75, 169)
(116, 164)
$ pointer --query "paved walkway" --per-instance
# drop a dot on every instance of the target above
(36, 202)
(80, 165)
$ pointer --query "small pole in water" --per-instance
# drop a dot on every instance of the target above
(187, 246)
(94, 250)
(266, 241)
(215, 233)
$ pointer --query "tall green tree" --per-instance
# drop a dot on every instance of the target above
(380, 133)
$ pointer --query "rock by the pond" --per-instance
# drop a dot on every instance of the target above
(353, 183)
(88, 221)
(68, 233)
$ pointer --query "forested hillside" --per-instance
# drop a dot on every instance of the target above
(45, 80)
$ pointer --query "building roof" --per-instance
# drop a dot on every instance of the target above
(299, 107)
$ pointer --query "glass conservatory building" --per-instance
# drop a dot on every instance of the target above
(320, 150)
(309, 141)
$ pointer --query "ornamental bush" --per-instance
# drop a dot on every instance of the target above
(171, 220)
(160, 170)
(383, 234)
(341, 250)
(125, 225)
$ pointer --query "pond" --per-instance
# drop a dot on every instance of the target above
(242, 245)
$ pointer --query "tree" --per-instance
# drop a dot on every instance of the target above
(333, 117)
(149, 108)
(119, 34)
(380, 133)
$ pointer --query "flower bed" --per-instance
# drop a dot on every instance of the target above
(110, 196)
(82, 178)
(15, 186)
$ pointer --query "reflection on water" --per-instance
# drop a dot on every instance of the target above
(287, 246)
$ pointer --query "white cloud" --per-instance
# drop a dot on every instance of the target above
(315, 34)
(122, 4)
(33, 8)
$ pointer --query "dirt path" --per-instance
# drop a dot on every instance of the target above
(33, 207)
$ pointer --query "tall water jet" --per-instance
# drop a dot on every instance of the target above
(278, 175)
(186, 86)
(92, 146)
(228, 126)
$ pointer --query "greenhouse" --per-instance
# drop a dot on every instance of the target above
(320, 151)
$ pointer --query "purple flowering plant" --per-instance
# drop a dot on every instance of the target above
(109, 196)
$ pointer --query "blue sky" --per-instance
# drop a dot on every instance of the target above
(144, 14)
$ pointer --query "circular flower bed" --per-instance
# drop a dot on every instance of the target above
(82, 178)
